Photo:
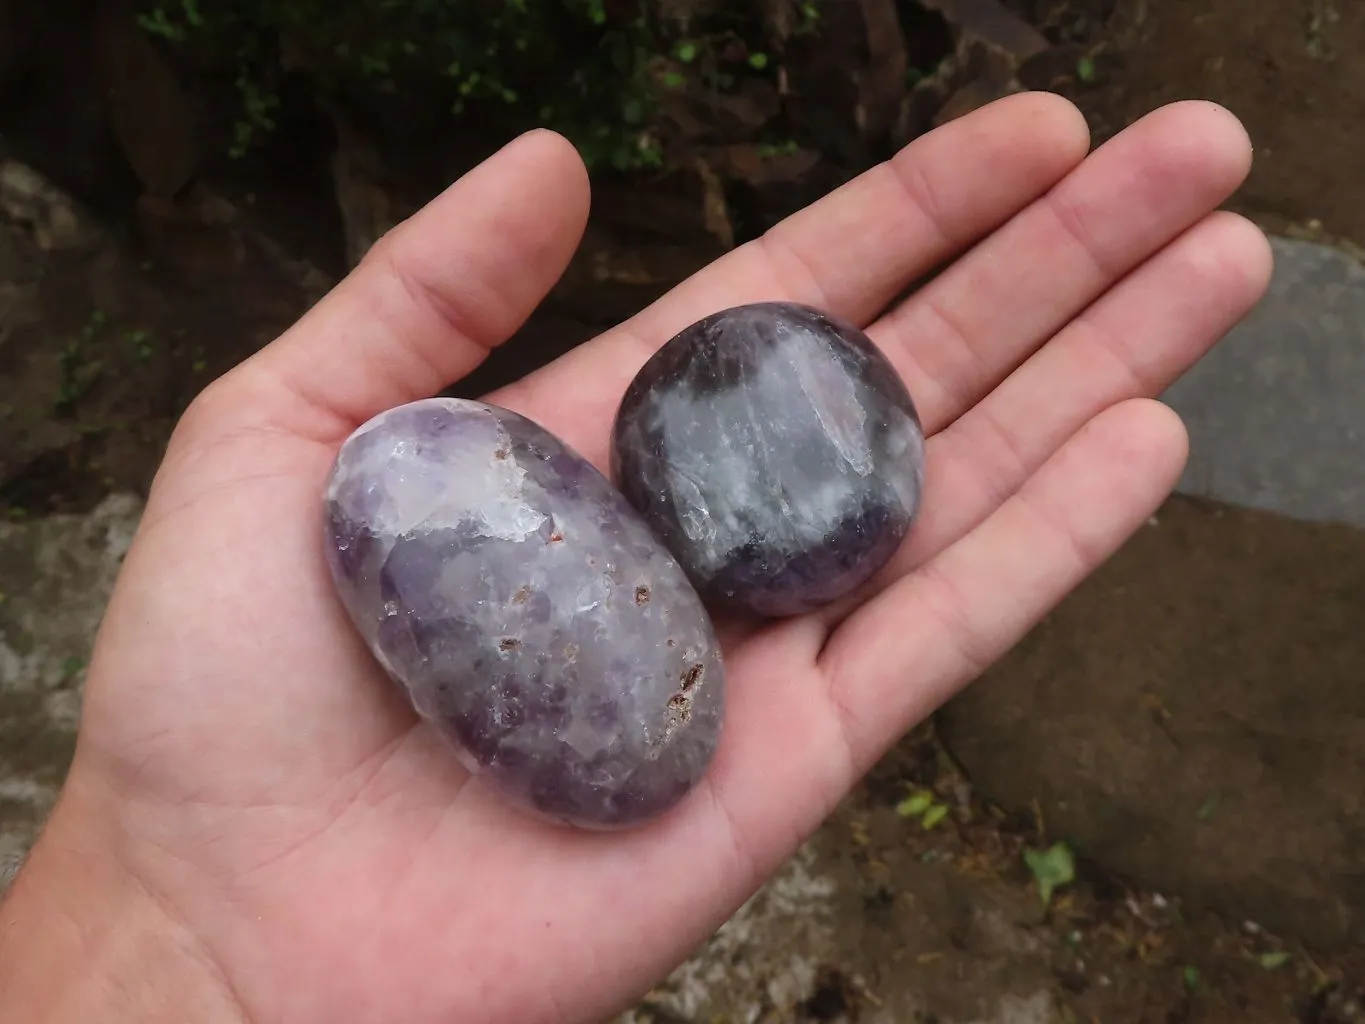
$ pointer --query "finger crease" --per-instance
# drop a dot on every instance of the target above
(746, 863)
(782, 256)
(956, 387)
(452, 315)
(1083, 554)
(924, 197)
(1004, 442)
(847, 723)
(1073, 222)
(951, 609)
(1134, 382)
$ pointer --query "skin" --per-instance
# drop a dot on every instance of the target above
(256, 828)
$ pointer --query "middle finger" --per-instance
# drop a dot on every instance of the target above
(1133, 343)
(852, 252)
(967, 329)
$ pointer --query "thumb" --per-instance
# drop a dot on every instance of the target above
(431, 298)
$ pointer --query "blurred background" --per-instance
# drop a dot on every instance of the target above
(1153, 811)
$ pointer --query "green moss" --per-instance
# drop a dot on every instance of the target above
(593, 71)
(32, 745)
(561, 63)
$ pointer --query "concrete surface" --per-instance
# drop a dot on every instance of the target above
(1276, 412)
(56, 575)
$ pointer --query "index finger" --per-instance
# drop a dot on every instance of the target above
(430, 299)
(852, 253)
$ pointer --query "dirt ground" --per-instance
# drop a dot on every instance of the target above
(1290, 70)
(112, 347)
(121, 347)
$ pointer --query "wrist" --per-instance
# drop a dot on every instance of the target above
(82, 939)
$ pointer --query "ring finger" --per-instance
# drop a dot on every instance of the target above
(966, 330)
(1125, 346)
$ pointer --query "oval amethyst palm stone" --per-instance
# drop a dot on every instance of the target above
(526, 609)
(775, 452)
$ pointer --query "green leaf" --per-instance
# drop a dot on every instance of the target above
(758, 61)
(1207, 808)
(687, 52)
(1272, 961)
(934, 815)
(1085, 69)
(915, 804)
(1190, 976)
(1051, 868)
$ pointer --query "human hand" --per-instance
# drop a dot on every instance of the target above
(255, 825)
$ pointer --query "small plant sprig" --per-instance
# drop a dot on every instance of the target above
(490, 53)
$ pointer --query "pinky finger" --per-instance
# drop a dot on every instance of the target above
(904, 653)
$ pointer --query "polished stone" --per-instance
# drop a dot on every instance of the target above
(777, 454)
(527, 610)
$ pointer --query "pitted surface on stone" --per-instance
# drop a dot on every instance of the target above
(527, 609)
(776, 452)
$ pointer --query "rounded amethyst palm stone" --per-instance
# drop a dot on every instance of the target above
(526, 609)
(775, 452)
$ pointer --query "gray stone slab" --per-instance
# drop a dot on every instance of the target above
(56, 575)
(1276, 412)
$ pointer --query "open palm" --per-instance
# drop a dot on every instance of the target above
(325, 856)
